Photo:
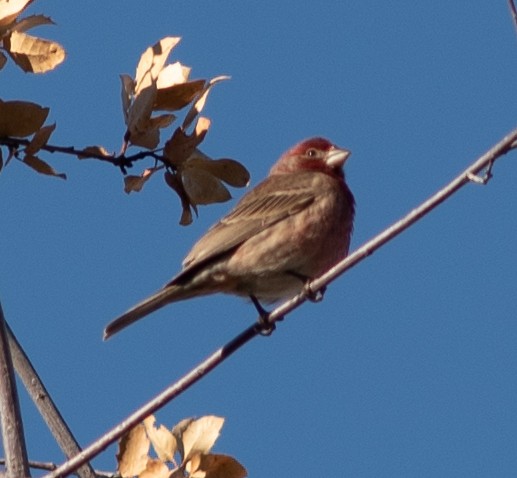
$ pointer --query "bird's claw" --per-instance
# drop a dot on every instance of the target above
(265, 327)
(314, 295)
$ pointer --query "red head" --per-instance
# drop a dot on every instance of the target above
(315, 154)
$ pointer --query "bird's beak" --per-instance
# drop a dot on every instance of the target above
(336, 157)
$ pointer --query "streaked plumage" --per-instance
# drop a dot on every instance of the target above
(296, 224)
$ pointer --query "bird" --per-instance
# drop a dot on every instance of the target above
(289, 229)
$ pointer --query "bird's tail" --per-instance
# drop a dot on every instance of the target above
(170, 293)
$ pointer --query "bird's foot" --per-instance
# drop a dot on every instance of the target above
(266, 328)
(311, 294)
(314, 295)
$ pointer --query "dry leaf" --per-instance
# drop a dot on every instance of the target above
(33, 54)
(21, 118)
(200, 435)
(181, 145)
(141, 109)
(40, 139)
(149, 138)
(10, 9)
(133, 452)
(136, 183)
(126, 93)
(200, 102)
(172, 74)
(155, 469)
(174, 183)
(215, 466)
(161, 121)
(202, 187)
(3, 60)
(163, 441)
(30, 22)
(94, 151)
(228, 170)
(41, 166)
(177, 96)
(178, 430)
(152, 62)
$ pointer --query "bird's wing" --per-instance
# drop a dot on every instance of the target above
(271, 201)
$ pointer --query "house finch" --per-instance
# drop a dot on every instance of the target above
(292, 227)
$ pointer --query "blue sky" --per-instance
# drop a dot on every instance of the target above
(408, 366)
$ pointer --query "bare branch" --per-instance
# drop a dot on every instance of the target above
(47, 466)
(122, 161)
(484, 162)
(45, 404)
(513, 10)
(12, 426)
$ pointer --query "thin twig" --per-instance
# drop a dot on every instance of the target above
(221, 354)
(47, 466)
(513, 10)
(12, 426)
(121, 161)
(45, 404)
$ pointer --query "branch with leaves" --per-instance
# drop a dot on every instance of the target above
(196, 178)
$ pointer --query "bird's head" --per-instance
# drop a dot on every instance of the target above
(315, 154)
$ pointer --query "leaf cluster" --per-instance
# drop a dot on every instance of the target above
(148, 101)
(30, 53)
(182, 451)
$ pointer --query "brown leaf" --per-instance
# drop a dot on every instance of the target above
(149, 138)
(228, 170)
(133, 452)
(215, 466)
(172, 74)
(155, 469)
(94, 151)
(200, 102)
(181, 145)
(136, 183)
(41, 166)
(161, 121)
(163, 441)
(33, 54)
(202, 187)
(140, 111)
(152, 62)
(21, 118)
(177, 96)
(174, 183)
(10, 9)
(3, 60)
(40, 139)
(126, 93)
(200, 435)
(30, 22)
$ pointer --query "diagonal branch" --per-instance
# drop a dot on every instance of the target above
(10, 416)
(45, 404)
(471, 174)
(513, 10)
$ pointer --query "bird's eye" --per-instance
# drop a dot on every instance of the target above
(312, 153)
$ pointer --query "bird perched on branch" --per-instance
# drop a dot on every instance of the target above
(289, 229)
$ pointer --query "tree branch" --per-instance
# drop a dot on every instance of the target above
(485, 162)
(45, 404)
(122, 161)
(46, 466)
(12, 425)
(513, 10)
